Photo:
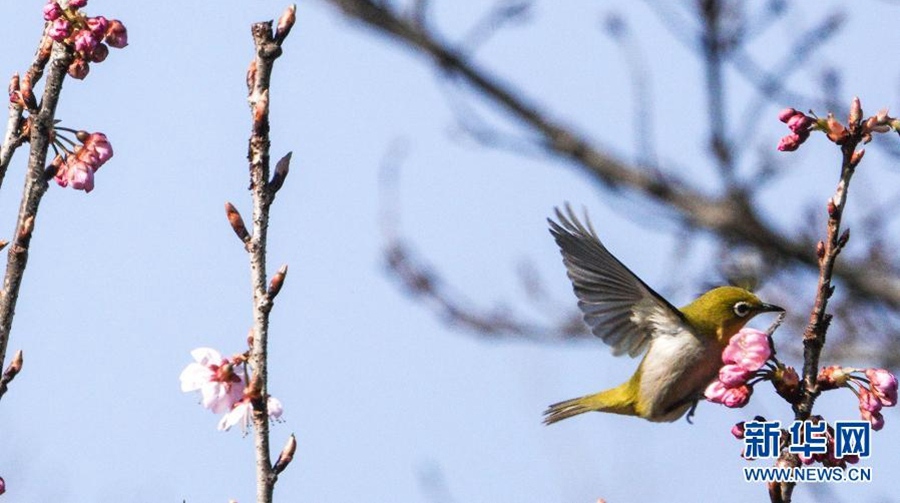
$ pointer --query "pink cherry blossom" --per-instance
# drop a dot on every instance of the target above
(874, 418)
(219, 381)
(749, 348)
(884, 386)
(729, 397)
(732, 375)
(97, 150)
(868, 401)
(242, 413)
(75, 172)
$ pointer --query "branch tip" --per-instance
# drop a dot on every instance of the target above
(285, 23)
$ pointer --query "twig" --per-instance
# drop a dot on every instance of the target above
(819, 319)
(268, 49)
(41, 127)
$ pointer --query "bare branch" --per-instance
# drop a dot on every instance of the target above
(268, 49)
(41, 129)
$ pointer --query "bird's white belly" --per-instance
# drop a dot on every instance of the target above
(676, 369)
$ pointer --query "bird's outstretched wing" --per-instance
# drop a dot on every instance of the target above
(619, 307)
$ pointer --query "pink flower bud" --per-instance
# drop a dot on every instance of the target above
(738, 430)
(790, 142)
(97, 25)
(884, 386)
(2, 485)
(99, 54)
(799, 123)
(79, 69)
(874, 418)
(733, 375)
(52, 11)
(737, 397)
(85, 41)
(58, 29)
(715, 391)
(116, 34)
(749, 348)
(77, 4)
(786, 114)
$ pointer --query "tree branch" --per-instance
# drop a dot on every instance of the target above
(268, 49)
(41, 129)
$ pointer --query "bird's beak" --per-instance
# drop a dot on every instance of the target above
(769, 308)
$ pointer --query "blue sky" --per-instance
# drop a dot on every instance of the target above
(385, 400)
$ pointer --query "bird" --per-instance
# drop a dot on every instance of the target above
(681, 348)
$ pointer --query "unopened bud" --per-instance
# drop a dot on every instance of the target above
(844, 237)
(286, 456)
(16, 365)
(14, 83)
(250, 338)
(25, 230)
(237, 223)
(27, 92)
(787, 383)
(251, 76)
(820, 250)
(855, 111)
(282, 167)
(79, 69)
(832, 208)
(857, 156)
(277, 282)
(285, 23)
(738, 430)
(3, 243)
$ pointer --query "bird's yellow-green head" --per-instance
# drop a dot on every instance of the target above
(721, 312)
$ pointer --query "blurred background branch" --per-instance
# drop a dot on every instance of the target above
(778, 251)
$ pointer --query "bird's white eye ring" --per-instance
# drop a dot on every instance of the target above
(742, 309)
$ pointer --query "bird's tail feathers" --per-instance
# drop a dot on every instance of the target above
(612, 400)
